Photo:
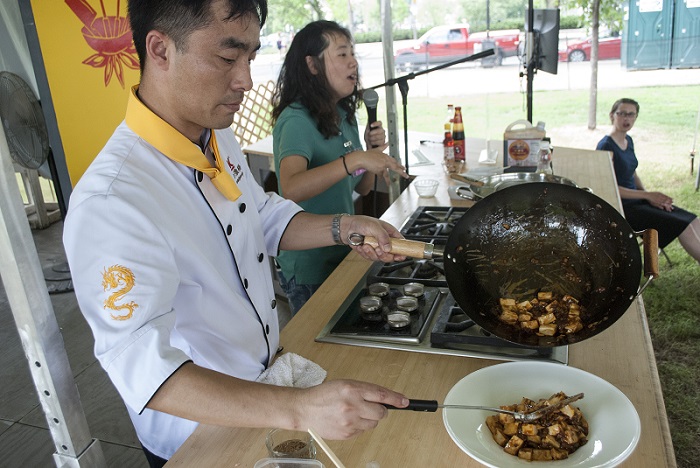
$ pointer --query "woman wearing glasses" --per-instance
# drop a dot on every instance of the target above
(645, 209)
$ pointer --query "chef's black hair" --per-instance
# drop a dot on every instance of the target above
(179, 18)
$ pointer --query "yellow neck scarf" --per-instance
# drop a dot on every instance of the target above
(173, 144)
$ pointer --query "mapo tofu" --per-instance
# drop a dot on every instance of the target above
(546, 315)
(553, 437)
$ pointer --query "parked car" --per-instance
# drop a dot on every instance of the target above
(608, 48)
(443, 44)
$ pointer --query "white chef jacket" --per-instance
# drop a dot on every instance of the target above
(167, 270)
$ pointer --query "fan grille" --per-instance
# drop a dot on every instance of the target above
(23, 121)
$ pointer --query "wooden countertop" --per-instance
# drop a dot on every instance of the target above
(622, 355)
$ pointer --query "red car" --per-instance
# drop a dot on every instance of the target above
(608, 48)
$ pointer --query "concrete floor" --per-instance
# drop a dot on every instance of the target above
(25, 440)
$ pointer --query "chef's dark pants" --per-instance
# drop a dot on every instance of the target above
(154, 460)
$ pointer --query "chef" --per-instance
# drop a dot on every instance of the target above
(169, 237)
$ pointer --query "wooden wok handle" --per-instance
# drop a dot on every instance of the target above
(650, 241)
(409, 248)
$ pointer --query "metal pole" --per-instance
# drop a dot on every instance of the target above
(38, 329)
(532, 57)
(391, 110)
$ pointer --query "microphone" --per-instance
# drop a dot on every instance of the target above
(371, 99)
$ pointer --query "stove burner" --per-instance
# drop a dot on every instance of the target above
(432, 221)
(357, 322)
(427, 270)
(407, 303)
(398, 319)
(370, 304)
(378, 289)
(413, 289)
(411, 271)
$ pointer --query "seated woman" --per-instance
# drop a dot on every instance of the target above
(643, 209)
(319, 159)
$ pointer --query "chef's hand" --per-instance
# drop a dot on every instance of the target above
(368, 226)
(341, 409)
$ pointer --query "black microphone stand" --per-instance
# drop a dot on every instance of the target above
(402, 82)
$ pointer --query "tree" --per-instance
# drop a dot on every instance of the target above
(610, 13)
(293, 13)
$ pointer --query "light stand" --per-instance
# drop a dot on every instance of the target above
(532, 56)
(402, 83)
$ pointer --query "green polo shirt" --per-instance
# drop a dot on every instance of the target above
(296, 133)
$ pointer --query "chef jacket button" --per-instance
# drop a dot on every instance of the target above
(267, 329)
(229, 229)
(200, 176)
(245, 283)
(261, 257)
(242, 207)
(273, 303)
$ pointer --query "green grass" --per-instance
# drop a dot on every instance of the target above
(663, 138)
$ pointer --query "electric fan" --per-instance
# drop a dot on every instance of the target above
(28, 141)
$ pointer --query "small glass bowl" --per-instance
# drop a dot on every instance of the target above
(426, 188)
(283, 443)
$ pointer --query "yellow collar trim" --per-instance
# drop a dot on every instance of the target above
(173, 144)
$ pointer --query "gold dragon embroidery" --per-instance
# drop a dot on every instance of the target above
(112, 278)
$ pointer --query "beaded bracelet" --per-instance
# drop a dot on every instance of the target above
(345, 165)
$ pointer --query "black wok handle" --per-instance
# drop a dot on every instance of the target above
(419, 405)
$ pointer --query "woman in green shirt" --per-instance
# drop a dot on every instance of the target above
(319, 159)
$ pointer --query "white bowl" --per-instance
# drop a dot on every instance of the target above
(614, 425)
(426, 188)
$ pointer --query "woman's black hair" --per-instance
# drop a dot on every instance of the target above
(296, 83)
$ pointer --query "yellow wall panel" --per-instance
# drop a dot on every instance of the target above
(90, 65)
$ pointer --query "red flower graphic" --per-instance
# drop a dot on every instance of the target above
(109, 36)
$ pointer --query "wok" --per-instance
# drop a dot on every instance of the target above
(544, 237)
(485, 186)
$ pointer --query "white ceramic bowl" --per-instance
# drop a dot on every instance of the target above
(426, 188)
(613, 421)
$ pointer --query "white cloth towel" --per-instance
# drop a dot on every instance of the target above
(292, 370)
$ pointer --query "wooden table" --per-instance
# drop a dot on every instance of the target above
(622, 355)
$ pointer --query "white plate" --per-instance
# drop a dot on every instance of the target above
(614, 426)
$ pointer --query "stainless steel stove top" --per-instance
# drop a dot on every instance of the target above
(347, 327)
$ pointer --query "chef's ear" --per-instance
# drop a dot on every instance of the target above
(158, 49)
(312, 64)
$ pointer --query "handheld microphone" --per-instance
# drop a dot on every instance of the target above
(371, 99)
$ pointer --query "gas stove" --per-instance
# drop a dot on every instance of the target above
(375, 312)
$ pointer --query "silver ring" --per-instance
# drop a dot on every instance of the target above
(355, 239)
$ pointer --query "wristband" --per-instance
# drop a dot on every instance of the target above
(335, 228)
(345, 165)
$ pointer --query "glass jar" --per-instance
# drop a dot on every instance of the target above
(544, 162)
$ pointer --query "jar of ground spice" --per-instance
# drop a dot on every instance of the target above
(284, 443)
